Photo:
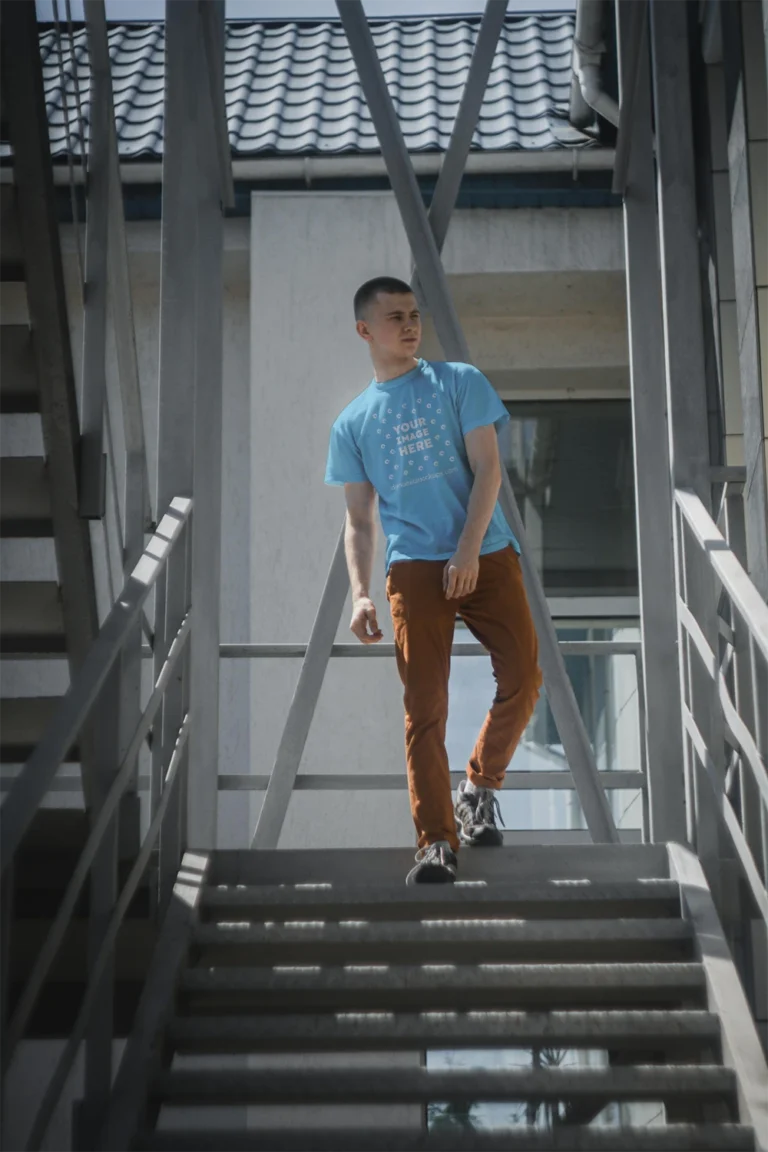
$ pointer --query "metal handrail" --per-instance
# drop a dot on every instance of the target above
(76, 709)
(459, 648)
(67, 1058)
(31, 785)
(746, 635)
(735, 581)
(55, 936)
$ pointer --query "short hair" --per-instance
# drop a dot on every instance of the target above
(368, 292)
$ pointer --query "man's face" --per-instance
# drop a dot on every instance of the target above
(393, 324)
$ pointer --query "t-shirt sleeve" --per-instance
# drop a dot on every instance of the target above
(345, 463)
(477, 401)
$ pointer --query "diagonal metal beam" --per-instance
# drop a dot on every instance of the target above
(304, 702)
(432, 276)
(455, 159)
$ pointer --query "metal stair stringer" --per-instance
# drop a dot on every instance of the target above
(295, 959)
(56, 616)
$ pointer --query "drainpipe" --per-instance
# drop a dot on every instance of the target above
(588, 47)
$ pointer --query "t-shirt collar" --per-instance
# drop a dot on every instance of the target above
(396, 380)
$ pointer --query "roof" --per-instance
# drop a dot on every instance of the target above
(292, 88)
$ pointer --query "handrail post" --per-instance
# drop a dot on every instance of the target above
(89, 1112)
(696, 591)
(173, 714)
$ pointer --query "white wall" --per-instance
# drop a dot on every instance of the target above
(309, 255)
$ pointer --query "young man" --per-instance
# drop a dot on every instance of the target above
(423, 436)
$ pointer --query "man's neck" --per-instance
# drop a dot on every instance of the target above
(391, 367)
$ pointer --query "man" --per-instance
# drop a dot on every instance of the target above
(423, 436)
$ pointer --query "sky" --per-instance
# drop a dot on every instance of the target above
(125, 10)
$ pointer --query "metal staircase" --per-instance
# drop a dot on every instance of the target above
(303, 961)
(307, 988)
(45, 544)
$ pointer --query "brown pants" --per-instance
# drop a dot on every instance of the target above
(497, 614)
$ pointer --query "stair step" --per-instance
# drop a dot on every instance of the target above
(462, 942)
(668, 1031)
(18, 378)
(446, 987)
(669, 1138)
(377, 867)
(23, 722)
(31, 617)
(25, 499)
(656, 1083)
(545, 900)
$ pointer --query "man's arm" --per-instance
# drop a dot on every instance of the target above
(461, 572)
(359, 547)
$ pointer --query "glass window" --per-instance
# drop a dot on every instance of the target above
(571, 468)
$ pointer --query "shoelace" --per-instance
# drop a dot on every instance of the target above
(424, 853)
(488, 808)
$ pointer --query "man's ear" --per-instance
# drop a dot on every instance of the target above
(363, 331)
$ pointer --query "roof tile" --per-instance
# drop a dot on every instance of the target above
(293, 87)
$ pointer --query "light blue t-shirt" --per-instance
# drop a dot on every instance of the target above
(406, 436)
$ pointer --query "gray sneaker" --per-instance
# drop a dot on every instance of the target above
(435, 864)
(476, 814)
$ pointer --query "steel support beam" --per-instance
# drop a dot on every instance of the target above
(432, 276)
(93, 473)
(206, 534)
(214, 37)
(189, 449)
(663, 733)
(105, 197)
(455, 159)
(138, 513)
(304, 702)
(636, 37)
(681, 289)
(686, 395)
(178, 237)
(176, 395)
(754, 408)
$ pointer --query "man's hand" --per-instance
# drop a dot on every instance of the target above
(461, 572)
(363, 615)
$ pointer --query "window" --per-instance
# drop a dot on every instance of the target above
(571, 468)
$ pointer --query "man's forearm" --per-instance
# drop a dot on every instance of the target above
(482, 501)
(359, 547)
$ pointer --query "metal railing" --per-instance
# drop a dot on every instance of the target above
(536, 780)
(724, 648)
(514, 780)
(167, 715)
